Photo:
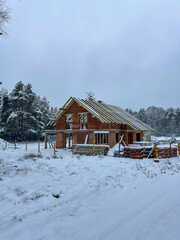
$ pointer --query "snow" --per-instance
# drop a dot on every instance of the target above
(91, 145)
(86, 197)
(4, 144)
(164, 138)
(13, 115)
(101, 131)
(115, 148)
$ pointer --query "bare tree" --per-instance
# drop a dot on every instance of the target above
(4, 16)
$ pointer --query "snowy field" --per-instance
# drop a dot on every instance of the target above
(43, 196)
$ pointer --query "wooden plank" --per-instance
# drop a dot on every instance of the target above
(98, 110)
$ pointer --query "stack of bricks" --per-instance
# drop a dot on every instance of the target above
(174, 152)
(137, 153)
(166, 152)
(134, 153)
(162, 153)
(127, 152)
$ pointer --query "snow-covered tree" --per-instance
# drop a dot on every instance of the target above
(3, 92)
(24, 114)
(4, 113)
(31, 111)
(16, 117)
(45, 109)
(165, 122)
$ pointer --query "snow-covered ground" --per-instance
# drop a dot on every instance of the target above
(67, 196)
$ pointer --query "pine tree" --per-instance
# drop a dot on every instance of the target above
(5, 112)
(15, 119)
(45, 109)
(31, 127)
(3, 92)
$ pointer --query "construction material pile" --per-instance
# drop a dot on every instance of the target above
(90, 149)
(135, 153)
(144, 152)
(166, 152)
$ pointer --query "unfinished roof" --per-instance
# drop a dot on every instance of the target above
(104, 112)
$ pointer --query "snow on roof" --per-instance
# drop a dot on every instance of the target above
(104, 112)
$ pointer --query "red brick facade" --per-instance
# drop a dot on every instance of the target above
(93, 124)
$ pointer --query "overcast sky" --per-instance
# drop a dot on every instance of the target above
(126, 51)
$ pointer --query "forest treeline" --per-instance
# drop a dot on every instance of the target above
(23, 114)
(166, 122)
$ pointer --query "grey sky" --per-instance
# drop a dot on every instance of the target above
(126, 52)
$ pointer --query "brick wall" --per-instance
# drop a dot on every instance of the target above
(61, 124)
(92, 123)
(134, 137)
(60, 140)
(75, 108)
(112, 139)
(76, 121)
(141, 136)
(125, 137)
(81, 136)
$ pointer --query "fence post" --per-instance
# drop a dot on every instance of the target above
(54, 149)
(73, 148)
(46, 140)
(179, 147)
(119, 150)
(15, 144)
(5, 144)
(26, 145)
(156, 150)
(94, 145)
(170, 149)
(39, 146)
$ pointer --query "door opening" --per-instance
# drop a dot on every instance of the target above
(117, 137)
(138, 137)
(69, 140)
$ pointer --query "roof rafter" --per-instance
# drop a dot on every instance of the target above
(104, 112)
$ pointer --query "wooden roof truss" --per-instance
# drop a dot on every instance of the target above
(104, 112)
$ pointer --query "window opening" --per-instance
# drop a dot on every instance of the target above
(69, 121)
(101, 138)
(83, 121)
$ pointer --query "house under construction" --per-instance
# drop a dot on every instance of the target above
(94, 122)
